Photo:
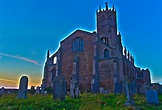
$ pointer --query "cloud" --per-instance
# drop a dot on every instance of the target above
(8, 80)
(20, 58)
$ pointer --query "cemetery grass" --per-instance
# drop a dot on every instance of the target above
(84, 102)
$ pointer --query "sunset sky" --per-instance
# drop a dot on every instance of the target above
(29, 27)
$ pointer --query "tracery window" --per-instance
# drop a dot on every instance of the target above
(77, 44)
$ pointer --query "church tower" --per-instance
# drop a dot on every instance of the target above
(106, 25)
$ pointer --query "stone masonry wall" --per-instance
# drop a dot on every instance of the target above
(85, 60)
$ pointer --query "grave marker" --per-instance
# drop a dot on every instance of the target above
(23, 85)
(59, 88)
(152, 96)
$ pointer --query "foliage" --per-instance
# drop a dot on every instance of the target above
(86, 101)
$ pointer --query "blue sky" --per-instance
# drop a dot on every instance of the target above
(29, 27)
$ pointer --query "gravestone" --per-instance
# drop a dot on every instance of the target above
(37, 90)
(152, 96)
(118, 87)
(59, 88)
(23, 85)
(77, 92)
(2, 91)
(95, 86)
(101, 90)
(74, 90)
(42, 89)
(32, 90)
(129, 101)
(45, 92)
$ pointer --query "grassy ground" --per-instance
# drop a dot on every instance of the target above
(84, 102)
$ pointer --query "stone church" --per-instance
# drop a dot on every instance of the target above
(96, 60)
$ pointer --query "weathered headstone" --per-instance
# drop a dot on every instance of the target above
(77, 92)
(42, 89)
(23, 85)
(45, 92)
(32, 90)
(59, 88)
(37, 90)
(74, 90)
(129, 101)
(2, 91)
(101, 90)
(118, 88)
(152, 96)
(95, 86)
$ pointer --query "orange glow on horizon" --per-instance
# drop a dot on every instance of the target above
(7, 83)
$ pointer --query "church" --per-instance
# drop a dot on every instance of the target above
(96, 60)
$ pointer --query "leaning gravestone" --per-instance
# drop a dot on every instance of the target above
(152, 96)
(23, 87)
(59, 88)
(74, 90)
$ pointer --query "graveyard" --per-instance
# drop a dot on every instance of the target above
(90, 70)
(85, 101)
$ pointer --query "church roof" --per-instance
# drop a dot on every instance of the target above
(93, 34)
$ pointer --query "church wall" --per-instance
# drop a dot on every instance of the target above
(102, 47)
(121, 75)
(106, 73)
(85, 60)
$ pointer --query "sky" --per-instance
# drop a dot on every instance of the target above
(28, 28)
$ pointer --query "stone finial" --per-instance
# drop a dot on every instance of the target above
(48, 54)
(125, 52)
(128, 54)
(99, 8)
(106, 6)
(96, 11)
(113, 8)
(130, 57)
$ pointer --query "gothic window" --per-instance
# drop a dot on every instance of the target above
(106, 53)
(55, 60)
(105, 40)
(77, 44)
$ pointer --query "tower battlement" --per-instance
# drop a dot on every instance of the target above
(105, 9)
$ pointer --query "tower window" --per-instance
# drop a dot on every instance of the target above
(106, 53)
(140, 75)
(77, 44)
(105, 40)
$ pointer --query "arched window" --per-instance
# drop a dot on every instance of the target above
(55, 60)
(106, 53)
(105, 40)
(77, 44)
